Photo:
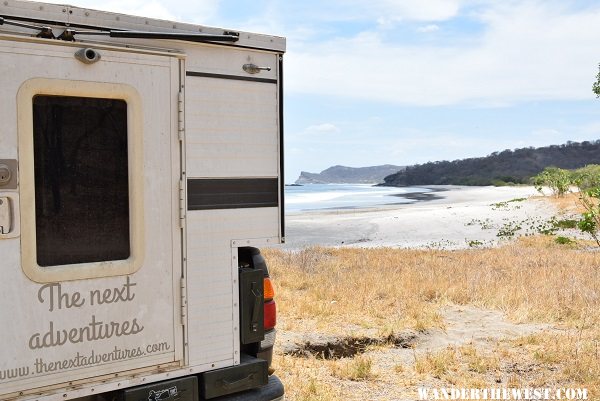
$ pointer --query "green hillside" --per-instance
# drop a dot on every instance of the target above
(506, 167)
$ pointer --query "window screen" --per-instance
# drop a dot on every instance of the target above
(81, 180)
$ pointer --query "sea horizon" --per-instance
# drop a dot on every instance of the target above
(308, 197)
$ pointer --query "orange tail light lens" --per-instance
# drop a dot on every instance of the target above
(268, 291)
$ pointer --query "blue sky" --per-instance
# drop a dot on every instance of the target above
(409, 81)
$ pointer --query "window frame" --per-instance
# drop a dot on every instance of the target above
(57, 87)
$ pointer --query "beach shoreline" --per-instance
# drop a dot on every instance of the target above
(444, 216)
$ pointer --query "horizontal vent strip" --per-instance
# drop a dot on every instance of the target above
(232, 77)
(227, 193)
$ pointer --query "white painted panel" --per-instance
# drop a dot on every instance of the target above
(209, 226)
(211, 308)
(25, 309)
(231, 128)
(218, 60)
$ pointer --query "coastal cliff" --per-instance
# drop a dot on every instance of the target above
(349, 175)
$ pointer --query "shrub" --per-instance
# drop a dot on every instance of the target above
(587, 177)
(564, 241)
(587, 180)
(590, 219)
(557, 179)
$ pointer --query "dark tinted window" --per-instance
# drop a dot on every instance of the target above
(81, 180)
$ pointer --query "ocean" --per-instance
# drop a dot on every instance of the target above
(344, 196)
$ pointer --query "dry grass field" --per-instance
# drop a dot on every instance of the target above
(395, 309)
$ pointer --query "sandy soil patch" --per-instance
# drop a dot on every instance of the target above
(464, 326)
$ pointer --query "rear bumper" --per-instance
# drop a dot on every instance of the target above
(272, 391)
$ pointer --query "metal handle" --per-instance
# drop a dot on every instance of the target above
(254, 69)
(258, 298)
(5, 216)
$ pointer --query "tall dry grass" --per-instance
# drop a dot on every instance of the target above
(340, 291)
(530, 280)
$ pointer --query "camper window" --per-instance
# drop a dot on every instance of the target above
(81, 180)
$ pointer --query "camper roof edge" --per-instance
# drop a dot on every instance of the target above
(92, 19)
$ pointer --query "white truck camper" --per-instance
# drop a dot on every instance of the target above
(140, 169)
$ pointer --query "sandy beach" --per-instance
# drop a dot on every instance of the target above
(448, 217)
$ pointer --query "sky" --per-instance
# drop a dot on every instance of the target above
(371, 82)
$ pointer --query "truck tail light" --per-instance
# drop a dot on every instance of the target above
(268, 291)
(270, 317)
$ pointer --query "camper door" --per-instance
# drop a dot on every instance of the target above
(89, 240)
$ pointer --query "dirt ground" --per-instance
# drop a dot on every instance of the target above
(480, 329)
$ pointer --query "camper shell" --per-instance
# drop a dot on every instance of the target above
(141, 168)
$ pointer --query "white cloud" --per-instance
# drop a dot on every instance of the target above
(195, 11)
(325, 128)
(151, 9)
(432, 10)
(428, 28)
(400, 10)
(529, 51)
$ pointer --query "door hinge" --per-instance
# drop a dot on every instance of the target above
(183, 286)
(180, 116)
(181, 204)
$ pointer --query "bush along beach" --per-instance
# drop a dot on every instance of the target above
(585, 182)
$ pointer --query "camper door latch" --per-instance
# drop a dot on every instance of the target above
(5, 216)
(254, 69)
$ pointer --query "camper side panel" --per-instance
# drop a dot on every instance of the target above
(231, 128)
(233, 186)
(211, 306)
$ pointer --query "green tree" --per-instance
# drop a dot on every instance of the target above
(590, 220)
(587, 177)
(590, 198)
(596, 85)
(557, 179)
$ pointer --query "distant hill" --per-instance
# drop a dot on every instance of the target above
(349, 175)
(509, 166)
